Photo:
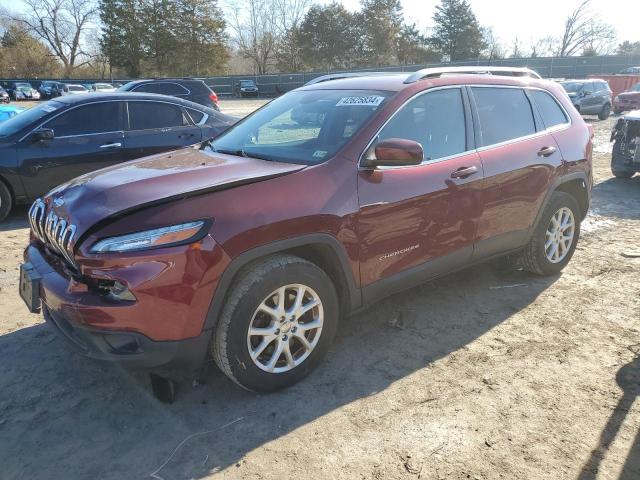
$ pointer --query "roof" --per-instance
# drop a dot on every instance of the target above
(97, 97)
(398, 82)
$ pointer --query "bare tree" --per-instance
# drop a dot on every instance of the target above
(583, 29)
(494, 49)
(61, 24)
(288, 16)
(253, 24)
(544, 47)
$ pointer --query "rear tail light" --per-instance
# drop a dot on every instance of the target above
(213, 97)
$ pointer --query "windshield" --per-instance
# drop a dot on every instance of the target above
(572, 87)
(304, 127)
(103, 86)
(28, 117)
(77, 88)
(23, 85)
(247, 83)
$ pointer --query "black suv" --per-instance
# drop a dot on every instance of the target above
(187, 88)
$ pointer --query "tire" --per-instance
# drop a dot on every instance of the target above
(605, 112)
(618, 162)
(535, 257)
(256, 285)
(6, 201)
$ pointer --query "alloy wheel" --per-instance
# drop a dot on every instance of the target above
(285, 328)
(559, 235)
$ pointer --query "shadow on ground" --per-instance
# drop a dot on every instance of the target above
(63, 416)
(628, 379)
(617, 198)
(17, 219)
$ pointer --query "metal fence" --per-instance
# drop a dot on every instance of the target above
(275, 84)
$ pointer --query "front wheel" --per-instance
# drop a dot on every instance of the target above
(6, 201)
(278, 322)
(555, 236)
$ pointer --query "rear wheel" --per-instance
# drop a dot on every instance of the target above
(605, 112)
(6, 202)
(555, 236)
(277, 324)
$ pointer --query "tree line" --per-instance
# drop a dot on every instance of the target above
(133, 38)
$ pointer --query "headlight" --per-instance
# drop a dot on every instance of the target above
(159, 237)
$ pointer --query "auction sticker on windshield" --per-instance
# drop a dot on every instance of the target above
(368, 101)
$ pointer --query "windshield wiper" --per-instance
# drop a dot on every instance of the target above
(242, 153)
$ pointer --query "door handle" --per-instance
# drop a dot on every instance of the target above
(111, 145)
(464, 172)
(546, 151)
(187, 135)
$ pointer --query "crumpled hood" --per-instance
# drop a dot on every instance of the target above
(93, 197)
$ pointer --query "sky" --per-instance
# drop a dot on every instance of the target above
(527, 19)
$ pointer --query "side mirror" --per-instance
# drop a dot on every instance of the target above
(43, 134)
(395, 152)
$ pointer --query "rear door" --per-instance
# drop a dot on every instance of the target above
(155, 127)
(420, 221)
(520, 158)
(86, 138)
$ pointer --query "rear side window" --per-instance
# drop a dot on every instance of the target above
(549, 109)
(147, 88)
(435, 120)
(88, 119)
(172, 89)
(154, 115)
(504, 113)
(196, 115)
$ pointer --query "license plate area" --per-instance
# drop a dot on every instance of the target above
(30, 287)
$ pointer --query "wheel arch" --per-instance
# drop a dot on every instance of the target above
(575, 184)
(577, 188)
(323, 250)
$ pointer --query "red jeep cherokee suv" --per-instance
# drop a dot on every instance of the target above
(250, 248)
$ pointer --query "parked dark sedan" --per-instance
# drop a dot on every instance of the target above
(72, 135)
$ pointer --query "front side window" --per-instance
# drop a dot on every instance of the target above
(154, 115)
(435, 120)
(305, 127)
(29, 118)
(549, 109)
(88, 119)
(504, 114)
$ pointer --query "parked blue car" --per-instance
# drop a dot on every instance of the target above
(9, 111)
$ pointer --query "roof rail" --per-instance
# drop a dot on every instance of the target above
(471, 70)
(338, 76)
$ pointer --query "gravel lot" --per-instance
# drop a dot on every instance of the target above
(485, 374)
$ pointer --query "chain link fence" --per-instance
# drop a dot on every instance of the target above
(275, 84)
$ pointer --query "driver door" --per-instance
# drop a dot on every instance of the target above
(86, 138)
(420, 221)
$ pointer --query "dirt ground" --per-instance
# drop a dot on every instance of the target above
(486, 374)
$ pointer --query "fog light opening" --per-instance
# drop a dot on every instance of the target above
(116, 292)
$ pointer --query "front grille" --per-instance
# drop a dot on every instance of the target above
(53, 231)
